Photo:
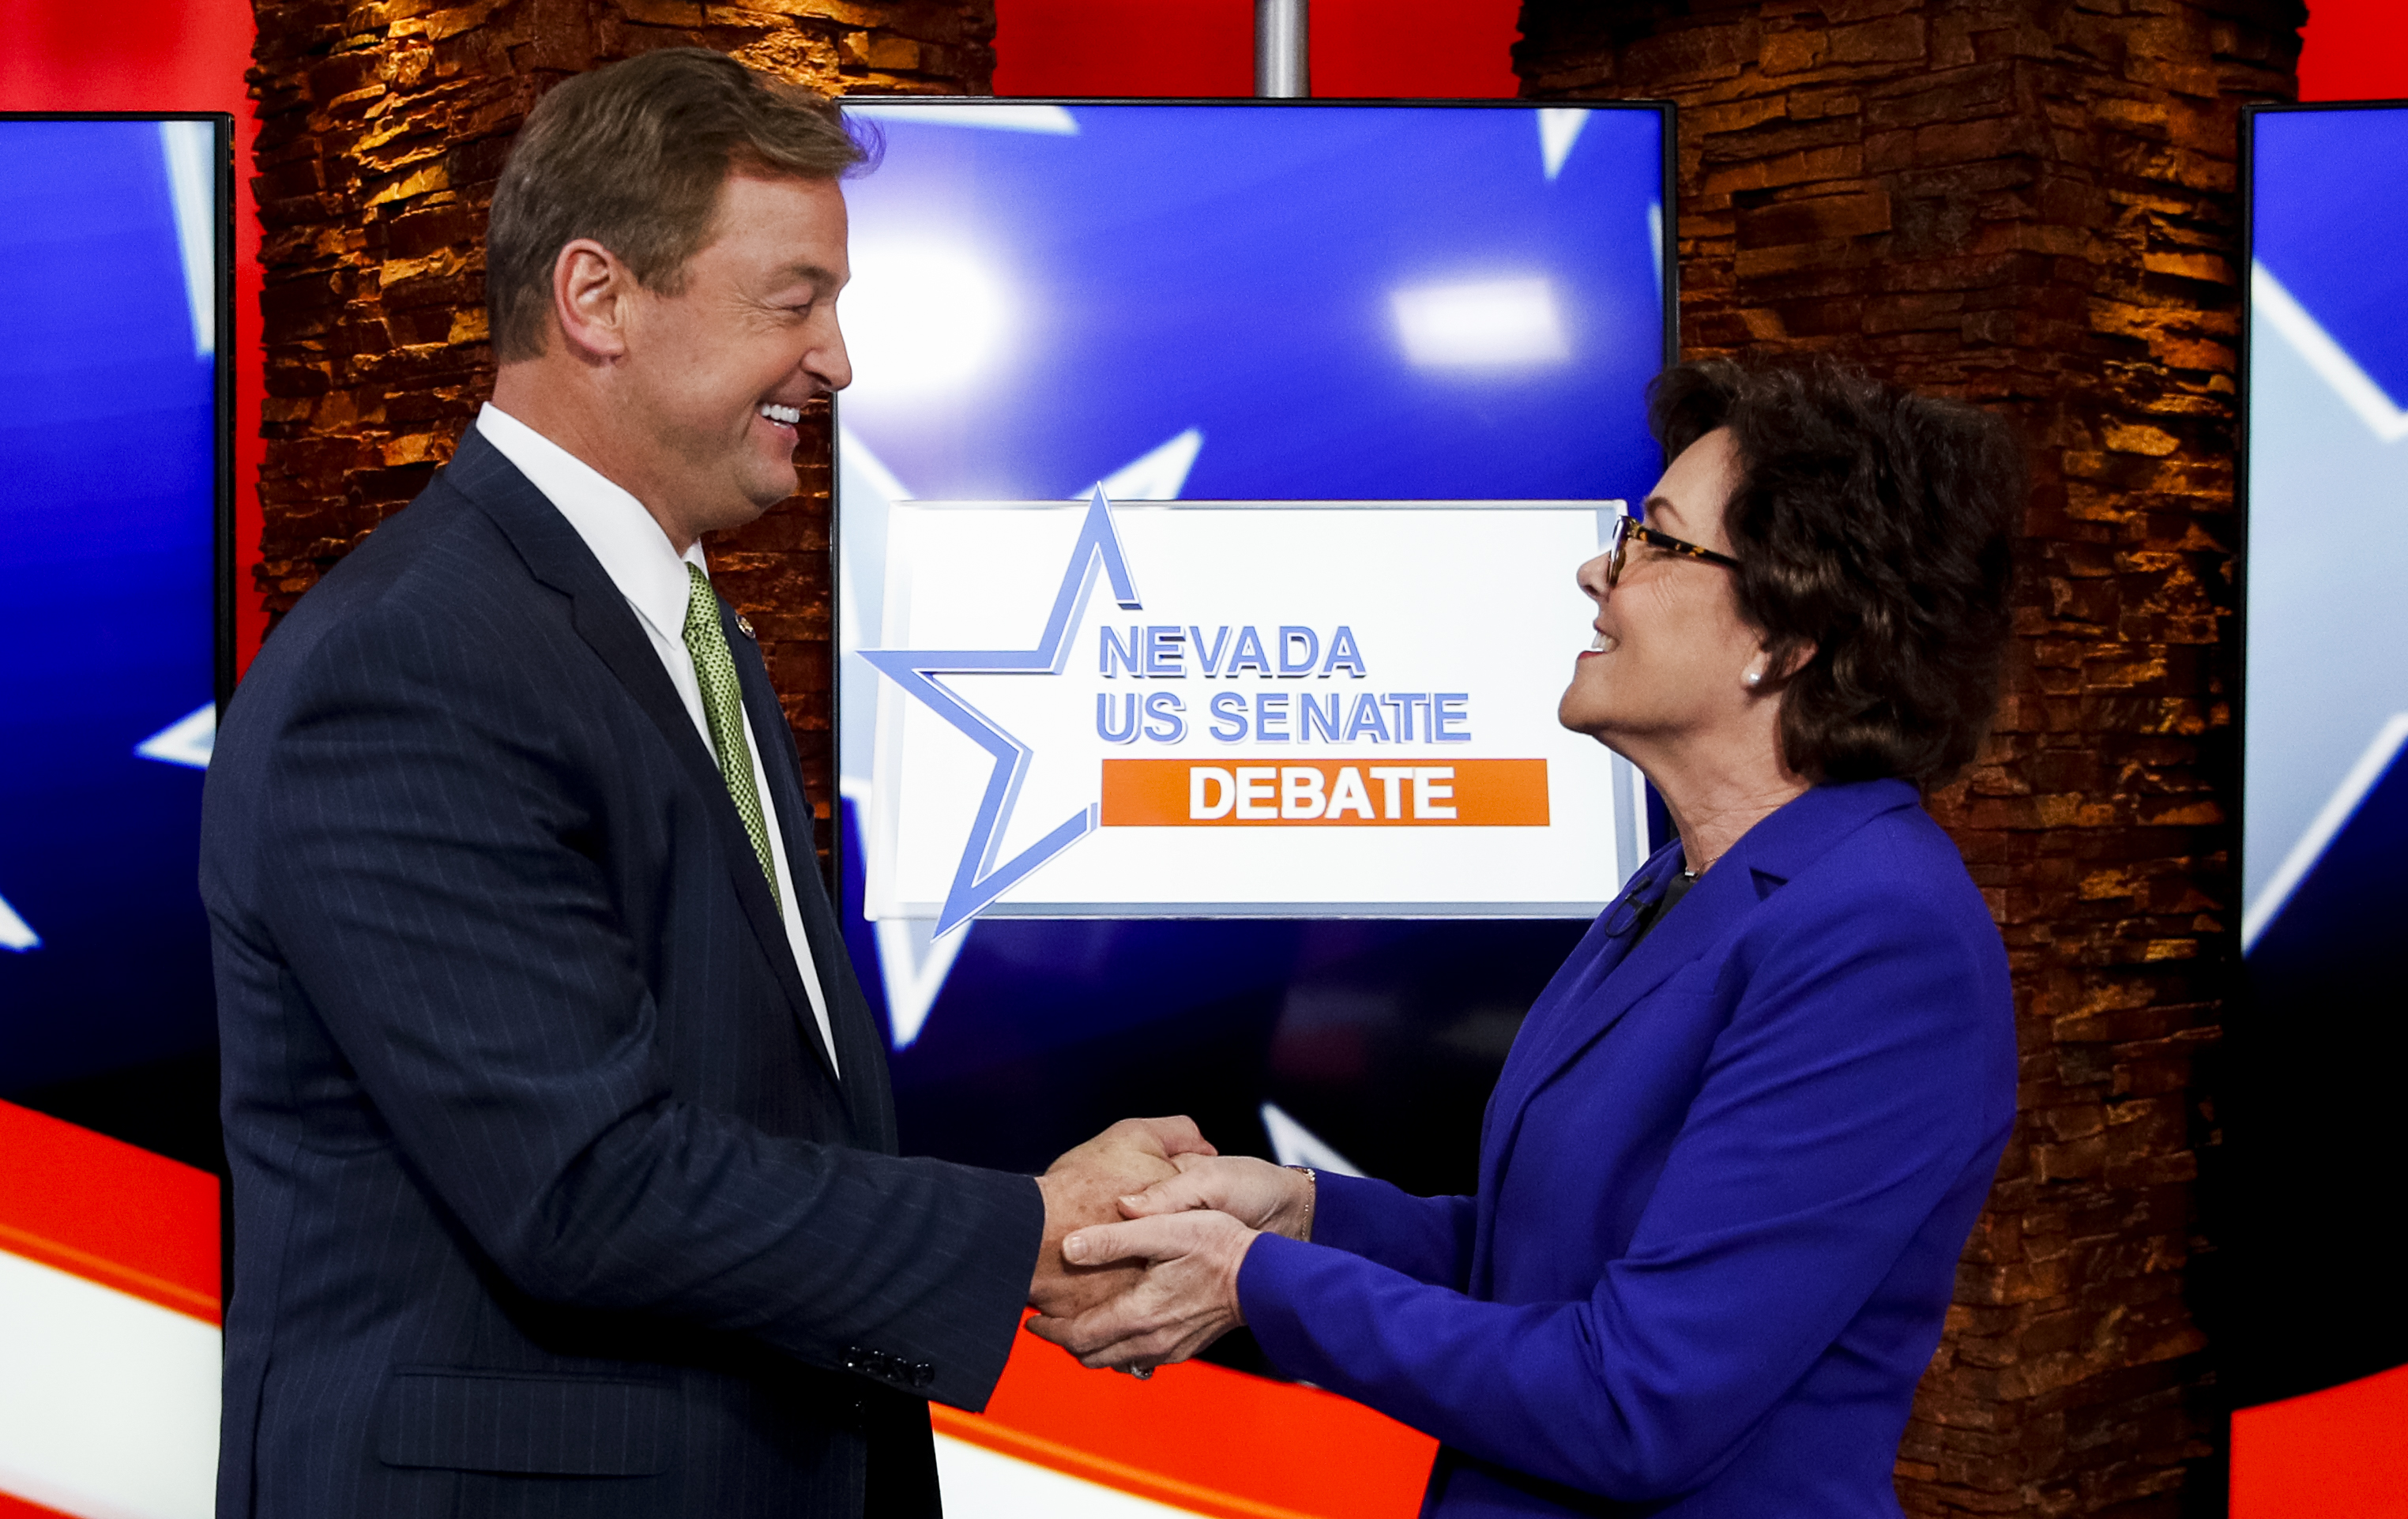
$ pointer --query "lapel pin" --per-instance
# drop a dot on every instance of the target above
(744, 624)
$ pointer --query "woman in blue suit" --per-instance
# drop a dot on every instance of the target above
(1732, 1159)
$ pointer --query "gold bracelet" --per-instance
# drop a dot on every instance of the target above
(1312, 1194)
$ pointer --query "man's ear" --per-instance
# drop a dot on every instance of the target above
(590, 290)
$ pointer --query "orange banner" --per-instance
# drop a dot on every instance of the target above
(1409, 793)
(102, 1210)
(1307, 1454)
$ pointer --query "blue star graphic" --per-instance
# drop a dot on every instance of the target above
(979, 881)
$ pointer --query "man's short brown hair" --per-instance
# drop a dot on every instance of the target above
(634, 155)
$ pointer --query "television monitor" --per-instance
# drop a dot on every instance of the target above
(1209, 495)
(115, 476)
(2324, 723)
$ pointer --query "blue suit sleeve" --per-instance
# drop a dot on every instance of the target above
(438, 882)
(1854, 1088)
(1427, 1239)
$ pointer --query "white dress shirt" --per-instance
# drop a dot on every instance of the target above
(651, 575)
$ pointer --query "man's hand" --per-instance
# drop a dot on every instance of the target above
(1185, 1298)
(1257, 1194)
(1085, 1186)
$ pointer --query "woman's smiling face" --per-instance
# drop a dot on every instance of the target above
(1670, 652)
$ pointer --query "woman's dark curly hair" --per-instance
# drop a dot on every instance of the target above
(1876, 525)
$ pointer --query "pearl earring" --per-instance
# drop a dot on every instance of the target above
(1755, 678)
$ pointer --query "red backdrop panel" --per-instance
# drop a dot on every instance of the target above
(2342, 1451)
(1202, 1438)
(1420, 48)
(2355, 49)
(108, 1212)
(1114, 47)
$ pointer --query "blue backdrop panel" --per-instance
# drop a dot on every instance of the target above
(2324, 192)
(1228, 276)
(1231, 269)
(2328, 483)
(2316, 1050)
(107, 469)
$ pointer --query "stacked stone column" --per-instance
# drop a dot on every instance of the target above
(2031, 204)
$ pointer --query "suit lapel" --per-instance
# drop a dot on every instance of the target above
(1765, 857)
(1688, 928)
(558, 558)
(1574, 1016)
(861, 1048)
(1577, 1013)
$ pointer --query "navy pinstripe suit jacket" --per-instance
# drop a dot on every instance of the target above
(546, 1199)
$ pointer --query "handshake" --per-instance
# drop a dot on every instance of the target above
(1146, 1225)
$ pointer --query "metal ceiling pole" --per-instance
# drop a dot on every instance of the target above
(1282, 48)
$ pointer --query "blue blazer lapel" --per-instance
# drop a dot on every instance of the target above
(1621, 976)
(556, 556)
(1623, 972)
(1764, 859)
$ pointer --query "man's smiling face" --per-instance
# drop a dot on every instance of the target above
(717, 370)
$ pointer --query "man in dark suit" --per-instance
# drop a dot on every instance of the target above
(564, 1159)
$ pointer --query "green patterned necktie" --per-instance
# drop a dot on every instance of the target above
(722, 708)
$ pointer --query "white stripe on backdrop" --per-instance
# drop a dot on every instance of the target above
(108, 1404)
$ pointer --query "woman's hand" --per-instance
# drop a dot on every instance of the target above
(1277, 1199)
(1186, 1299)
(1084, 1185)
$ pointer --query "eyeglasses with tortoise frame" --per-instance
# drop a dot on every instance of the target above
(1626, 529)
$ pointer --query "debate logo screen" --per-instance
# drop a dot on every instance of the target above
(1209, 499)
(1233, 709)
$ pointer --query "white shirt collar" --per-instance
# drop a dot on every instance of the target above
(633, 550)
